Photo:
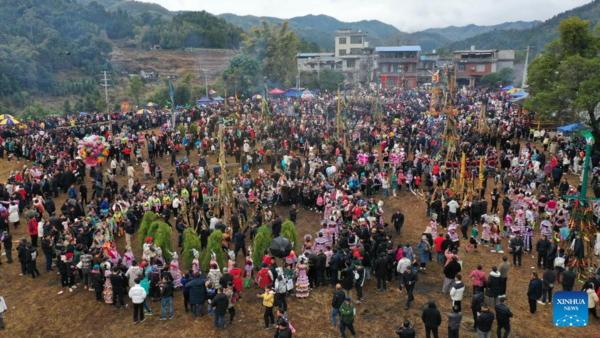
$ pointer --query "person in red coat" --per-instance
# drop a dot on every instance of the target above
(264, 277)
(237, 273)
(32, 226)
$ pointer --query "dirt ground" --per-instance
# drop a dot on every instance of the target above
(36, 310)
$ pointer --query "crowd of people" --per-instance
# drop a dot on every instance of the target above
(292, 156)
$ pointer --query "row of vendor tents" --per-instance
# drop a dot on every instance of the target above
(292, 92)
(516, 94)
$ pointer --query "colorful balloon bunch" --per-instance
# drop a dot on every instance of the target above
(93, 150)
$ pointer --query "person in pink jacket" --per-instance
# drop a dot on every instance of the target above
(479, 279)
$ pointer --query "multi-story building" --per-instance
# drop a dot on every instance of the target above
(472, 64)
(425, 68)
(397, 66)
(316, 62)
(358, 59)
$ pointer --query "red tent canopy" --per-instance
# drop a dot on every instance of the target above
(276, 91)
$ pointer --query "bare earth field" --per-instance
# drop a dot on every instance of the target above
(36, 310)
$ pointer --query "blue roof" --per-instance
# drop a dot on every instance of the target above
(399, 49)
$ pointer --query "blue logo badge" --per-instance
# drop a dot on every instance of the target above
(570, 308)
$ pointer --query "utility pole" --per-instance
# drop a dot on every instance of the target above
(105, 85)
(205, 81)
(525, 69)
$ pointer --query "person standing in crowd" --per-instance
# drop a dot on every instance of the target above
(450, 272)
(534, 292)
(592, 299)
(516, 245)
(408, 280)
(197, 287)
(166, 301)
(268, 300)
(485, 320)
(406, 330)
(503, 269)
(432, 319)
(336, 303)
(503, 316)
(454, 321)
(548, 281)
(138, 295)
(457, 291)
(478, 299)
(347, 312)
(220, 304)
(568, 279)
(494, 286)
(3, 309)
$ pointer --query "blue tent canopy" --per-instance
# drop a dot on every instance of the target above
(293, 93)
(572, 128)
(219, 99)
(519, 93)
(204, 100)
(508, 88)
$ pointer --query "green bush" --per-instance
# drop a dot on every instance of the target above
(162, 239)
(262, 241)
(288, 230)
(190, 241)
(213, 245)
(147, 220)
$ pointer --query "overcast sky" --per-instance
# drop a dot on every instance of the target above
(406, 15)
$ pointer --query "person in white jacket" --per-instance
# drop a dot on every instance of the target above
(457, 292)
(3, 309)
(138, 295)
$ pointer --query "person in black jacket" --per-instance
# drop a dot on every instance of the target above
(48, 250)
(381, 272)
(408, 280)
(321, 262)
(167, 299)
(406, 330)
(494, 286)
(398, 221)
(336, 302)
(22, 254)
(335, 263)
(7, 240)
(542, 249)
(568, 279)
(503, 315)
(485, 320)
(116, 279)
(516, 245)
(551, 255)
(220, 304)
(432, 319)
(478, 299)
(450, 271)
(534, 292)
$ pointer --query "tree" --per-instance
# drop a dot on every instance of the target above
(190, 241)
(213, 246)
(502, 78)
(262, 241)
(275, 48)
(147, 220)
(244, 72)
(565, 78)
(288, 230)
(136, 89)
(330, 79)
(162, 239)
(67, 110)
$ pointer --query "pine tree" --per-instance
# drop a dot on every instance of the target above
(190, 241)
(153, 229)
(213, 245)
(262, 241)
(147, 220)
(162, 239)
(288, 230)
